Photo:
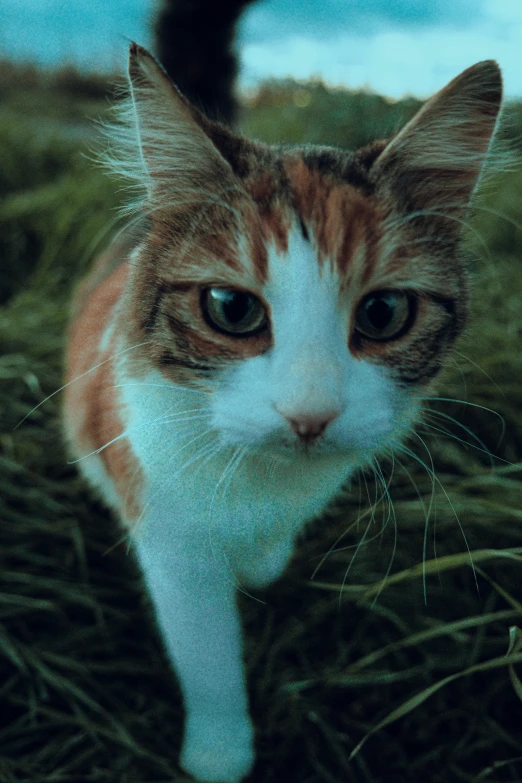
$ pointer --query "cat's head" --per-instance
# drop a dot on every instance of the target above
(314, 292)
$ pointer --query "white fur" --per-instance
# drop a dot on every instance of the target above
(227, 491)
(94, 471)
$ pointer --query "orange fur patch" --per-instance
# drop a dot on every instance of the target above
(92, 415)
(342, 219)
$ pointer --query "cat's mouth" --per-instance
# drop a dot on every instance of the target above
(309, 449)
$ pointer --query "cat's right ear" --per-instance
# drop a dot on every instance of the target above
(157, 142)
(435, 161)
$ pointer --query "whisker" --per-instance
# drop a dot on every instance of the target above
(176, 473)
(471, 405)
(391, 515)
(481, 447)
(244, 451)
(354, 524)
(166, 418)
(431, 471)
(413, 483)
(363, 540)
(214, 495)
(78, 377)
(207, 452)
(464, 402)
(461, 372)
(171, 386)
(228, 473)
(495, 384)
(431, 474)
(434, 412)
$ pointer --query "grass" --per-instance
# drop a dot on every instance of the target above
(417, 663)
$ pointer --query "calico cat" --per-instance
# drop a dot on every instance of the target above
(267, 332)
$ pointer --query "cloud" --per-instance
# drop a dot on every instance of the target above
(396, 60)
(277, 19)
(397, 47)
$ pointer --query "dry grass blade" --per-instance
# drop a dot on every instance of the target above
(419, 698)
(432, 633)
(435, 566)
(515, 646)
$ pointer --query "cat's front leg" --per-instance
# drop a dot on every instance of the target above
(194, 597)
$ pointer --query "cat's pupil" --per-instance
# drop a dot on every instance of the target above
(233, 312)
(380, 311)
(385, 315)
(235, 305)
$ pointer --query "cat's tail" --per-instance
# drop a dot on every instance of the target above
(195, 44)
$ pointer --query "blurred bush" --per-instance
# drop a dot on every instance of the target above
(295, 112)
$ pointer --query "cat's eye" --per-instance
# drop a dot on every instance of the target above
(384, 315)
(232, 311)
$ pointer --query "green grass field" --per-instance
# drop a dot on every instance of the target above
(424, 664)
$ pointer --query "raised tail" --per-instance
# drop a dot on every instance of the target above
(194, 41)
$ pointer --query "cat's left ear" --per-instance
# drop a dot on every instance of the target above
(436, 160)
(162, 142)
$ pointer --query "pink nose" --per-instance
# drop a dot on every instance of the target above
(310, 426)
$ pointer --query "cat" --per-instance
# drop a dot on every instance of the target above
(267, 331)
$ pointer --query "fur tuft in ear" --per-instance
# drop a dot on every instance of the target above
(436, 160)
(157, 142)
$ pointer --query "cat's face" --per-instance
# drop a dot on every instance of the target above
(310, 388)
(315, 293)
(314, 316)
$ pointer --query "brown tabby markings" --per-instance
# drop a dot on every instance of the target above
(218, 244)
(341, 218)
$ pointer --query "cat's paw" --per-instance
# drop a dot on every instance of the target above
(217, 751)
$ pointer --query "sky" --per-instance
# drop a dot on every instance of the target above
(395, 47)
